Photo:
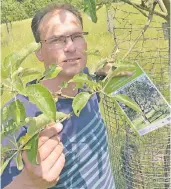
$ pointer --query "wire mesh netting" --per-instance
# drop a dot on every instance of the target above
(139, 162)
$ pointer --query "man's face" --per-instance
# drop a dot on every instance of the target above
(71, 56)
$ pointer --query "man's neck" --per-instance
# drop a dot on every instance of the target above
(54, 86)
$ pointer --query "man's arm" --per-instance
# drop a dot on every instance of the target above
(51, 162)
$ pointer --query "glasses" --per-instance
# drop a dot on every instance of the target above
(60, 41)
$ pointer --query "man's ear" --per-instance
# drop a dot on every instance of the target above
(39, 55)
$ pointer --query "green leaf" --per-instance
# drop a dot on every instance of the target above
(37, 123)
(41, 96)
(5, 114)
(30, 143)
(32, 153)
(64, 85)
(7, 151)
(29, 72)
(41, 121)
(17, 111)
(127, 101)
(60, 115)
(80, 101)
(90, 9)
(5, 163)
(19, 162)
(24, 140)
(13, 61)
(8, 128)
(6, 82)
(7, 65)
(52, 71)
(24, 72)
(16, 73)
(81, 79)
(119, 109)
(27, 147)
(118, 74)
(18, 85)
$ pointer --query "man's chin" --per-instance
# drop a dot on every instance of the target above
(70, 74)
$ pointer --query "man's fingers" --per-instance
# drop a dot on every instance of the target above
(53, 157)
(24, 156)
(58, 166)
(27, 163)
(49, 132)
(47, 147)
(125, 74)
(104, 70)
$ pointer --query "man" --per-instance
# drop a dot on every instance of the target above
(73, 155)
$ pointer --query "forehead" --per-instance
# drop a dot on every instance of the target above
(58, 21)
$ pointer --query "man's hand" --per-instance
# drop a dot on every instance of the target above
(104, 71)
(51, 162)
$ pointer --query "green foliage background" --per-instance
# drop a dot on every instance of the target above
(15, 10)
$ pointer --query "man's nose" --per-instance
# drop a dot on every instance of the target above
(69, 45)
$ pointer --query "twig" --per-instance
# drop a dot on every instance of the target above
(162, 6)
(138, 8)
(167, 5)
(108, 19)
(161, 14)
(57, 94)
(150, 17)
(116, 50)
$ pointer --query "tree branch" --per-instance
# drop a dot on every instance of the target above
(167, 5)
(161, 14)
(139, 9)
(162, 6)
(150, 17)
(116, 49)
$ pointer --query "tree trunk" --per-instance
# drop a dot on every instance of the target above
(7, 26)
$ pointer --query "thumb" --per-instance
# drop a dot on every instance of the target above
(27, 163)
(59, 127)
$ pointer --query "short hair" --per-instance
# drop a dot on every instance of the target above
(50, 8)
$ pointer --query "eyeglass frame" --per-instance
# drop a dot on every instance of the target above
(66, 36)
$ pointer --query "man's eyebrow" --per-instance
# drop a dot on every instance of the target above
(55, 36)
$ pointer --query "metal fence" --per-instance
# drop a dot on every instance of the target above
(139, 162)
